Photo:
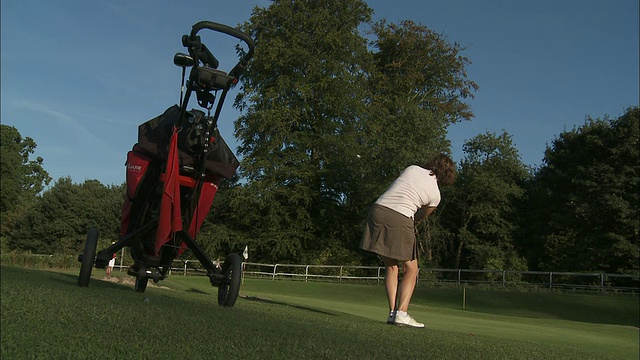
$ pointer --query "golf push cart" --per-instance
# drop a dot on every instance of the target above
(173, 174)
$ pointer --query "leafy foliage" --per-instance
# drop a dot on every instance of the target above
(587, 197)
(305, 90)
(59, 220)
(21, 179)
(480, 213)
(421, 69)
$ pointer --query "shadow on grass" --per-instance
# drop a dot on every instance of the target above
(62, 277)
(115, 282)
(194, 290)
(72, 280)
(268, 301)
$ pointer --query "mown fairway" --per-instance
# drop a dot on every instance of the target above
(45, 315)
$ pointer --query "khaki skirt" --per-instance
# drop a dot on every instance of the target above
(390, 234)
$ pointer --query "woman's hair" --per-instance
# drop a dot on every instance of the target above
(443, 167)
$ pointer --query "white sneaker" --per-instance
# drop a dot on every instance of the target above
(407, 321)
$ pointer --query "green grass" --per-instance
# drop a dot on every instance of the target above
(46, 316)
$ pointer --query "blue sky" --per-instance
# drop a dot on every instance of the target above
(79, 76)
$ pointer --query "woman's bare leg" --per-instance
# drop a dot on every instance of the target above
(408, 284)
(391, 281)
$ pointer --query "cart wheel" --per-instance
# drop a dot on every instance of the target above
(141, 284)
(141, 281)
(88, 257)
(230, 287)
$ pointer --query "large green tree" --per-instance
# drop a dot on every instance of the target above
(417, 68)
(303, 93)
(586, 196)
(331, 118)
(480, 213)
(59, 220)
(21, 179)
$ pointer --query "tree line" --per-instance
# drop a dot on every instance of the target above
(333, 108)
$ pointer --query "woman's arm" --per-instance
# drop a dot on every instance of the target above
(423, 212)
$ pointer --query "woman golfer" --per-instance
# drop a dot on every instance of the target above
(112, 263)
(390, 229)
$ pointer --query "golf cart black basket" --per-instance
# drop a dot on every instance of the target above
(173, 173)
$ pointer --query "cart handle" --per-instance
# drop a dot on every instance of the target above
(242, 64)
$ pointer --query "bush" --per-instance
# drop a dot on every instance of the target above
(38, 261)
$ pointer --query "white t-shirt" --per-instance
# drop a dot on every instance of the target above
(413, 189)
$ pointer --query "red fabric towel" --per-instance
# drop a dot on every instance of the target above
(170, 218)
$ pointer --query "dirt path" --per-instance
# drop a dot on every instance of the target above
(127, 280)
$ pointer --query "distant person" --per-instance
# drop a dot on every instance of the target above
(390, 230)
(112, 263)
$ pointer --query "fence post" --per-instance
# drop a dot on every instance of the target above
(306, 273)
(378, 277)
(185, 267)
(459, 271)
(550, 280)
(341, 274)
(504, 278)
(274, 271)
(464, 298)
(121, 258)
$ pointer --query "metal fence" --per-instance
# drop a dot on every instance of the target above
(503, 278)
(375, 274)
